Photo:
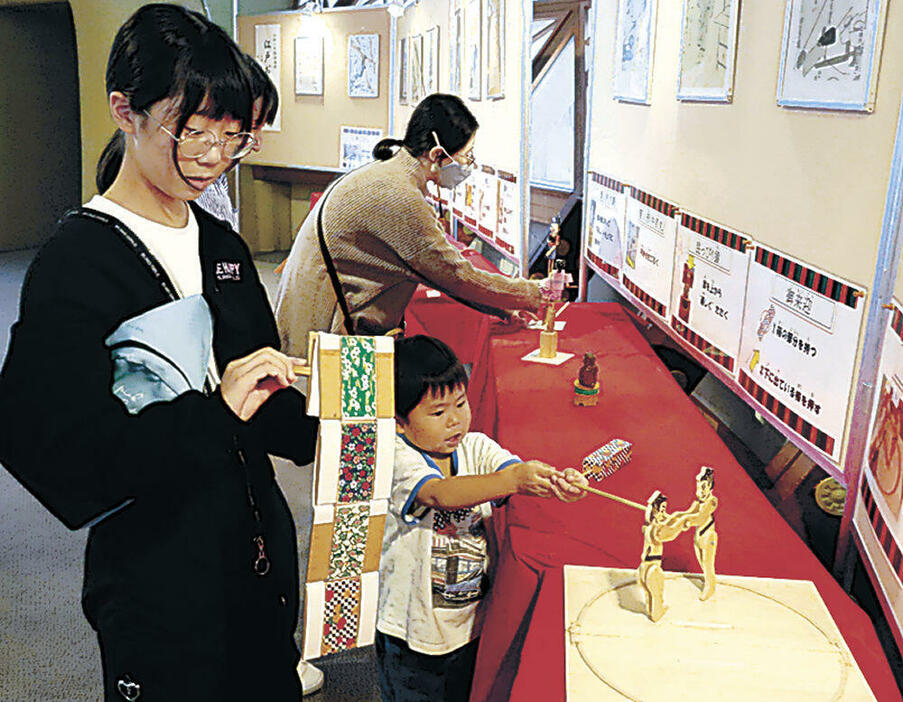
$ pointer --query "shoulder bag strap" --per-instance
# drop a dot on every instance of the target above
(330, 266)
(134, 243)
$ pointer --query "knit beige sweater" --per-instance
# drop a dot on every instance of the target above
(384, 239)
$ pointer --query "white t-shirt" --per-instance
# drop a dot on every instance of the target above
(432, 570)
(176, 248)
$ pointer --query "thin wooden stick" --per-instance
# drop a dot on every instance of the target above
(301, 369)
(623, 501)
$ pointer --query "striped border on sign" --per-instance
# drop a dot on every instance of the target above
(666, 208)
(897, 323)
(599, 263)
(700, 342)
(813, 435)
(609, 183)
(713, 232)
(882, 533)
(644, 297)
(815, 281)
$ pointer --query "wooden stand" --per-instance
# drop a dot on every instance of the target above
(584, 396)
(548, 344)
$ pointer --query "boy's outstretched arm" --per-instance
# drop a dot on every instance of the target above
(528, 478)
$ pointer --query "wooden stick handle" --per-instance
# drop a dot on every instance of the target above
(623, 501)
(301, 369)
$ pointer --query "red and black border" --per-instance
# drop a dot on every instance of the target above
(711, 231)
(813, 435)
(807, 277)
(605, 267)
(609, 183)
(644, 297)
(882, 532)
(702, 344)
(656, 203)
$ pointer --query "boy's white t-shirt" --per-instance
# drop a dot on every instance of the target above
(434, 561)
(176, 248)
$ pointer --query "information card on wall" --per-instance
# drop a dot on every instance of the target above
(488, 220)
(798, 346)
(267, 51)
(508, 234)
(649, 250)
(877, 515)
(710, 269)
(606, 211)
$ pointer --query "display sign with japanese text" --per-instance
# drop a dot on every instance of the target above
(877, 515)
(488, 219)
(710, 269)
(267, 51)
(508, 234)
(649, 251)
(606, 211)
(798, 346)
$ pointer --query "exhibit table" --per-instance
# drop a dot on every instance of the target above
(434, 313)
(529, 409)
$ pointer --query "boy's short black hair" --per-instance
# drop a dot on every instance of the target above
(424, 364)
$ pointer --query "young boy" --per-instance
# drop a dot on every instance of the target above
(433, 567)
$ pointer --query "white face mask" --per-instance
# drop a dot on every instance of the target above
(453, 173)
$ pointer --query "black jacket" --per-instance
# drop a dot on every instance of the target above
(182, 551)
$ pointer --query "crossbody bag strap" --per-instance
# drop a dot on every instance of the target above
(134, 243)
(330, 266)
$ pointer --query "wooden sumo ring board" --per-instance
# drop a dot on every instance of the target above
(755, 639)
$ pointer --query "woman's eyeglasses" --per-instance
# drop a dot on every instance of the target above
(195, 143)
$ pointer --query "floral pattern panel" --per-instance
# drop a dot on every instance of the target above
(349, 541)
(358, 362)
(357, 462)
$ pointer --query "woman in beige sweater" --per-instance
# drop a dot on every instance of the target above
(384, 238)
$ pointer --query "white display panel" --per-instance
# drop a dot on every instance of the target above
(606, 217)
(710, 270)
(649, 251)
(798, 346)
(267, 52)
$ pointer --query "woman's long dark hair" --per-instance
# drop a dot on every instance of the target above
(165, 51)
(446, 115)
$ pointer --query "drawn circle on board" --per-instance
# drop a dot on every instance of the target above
(741, 639)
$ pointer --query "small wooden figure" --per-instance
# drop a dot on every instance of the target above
(552, 242)
(700, 514)
(586, 386)
(658, 528)
(548, 337)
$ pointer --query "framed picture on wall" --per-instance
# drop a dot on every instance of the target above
(403, 71)
(830, 54)
(431, 61)
(708, 48)
(473, 49)
(634, 42)
(308, 65)
(456, 47)
(494, 29)
(415, 47)
(363, 65)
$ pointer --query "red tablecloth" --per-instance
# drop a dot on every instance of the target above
(529, 409)
(436, 314)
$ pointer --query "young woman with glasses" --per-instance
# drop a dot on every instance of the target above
(383, 238)
(191, 573)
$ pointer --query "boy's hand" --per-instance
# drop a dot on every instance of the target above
(534, 478)
(568, 485)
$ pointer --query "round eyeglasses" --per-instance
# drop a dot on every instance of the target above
(195, 143)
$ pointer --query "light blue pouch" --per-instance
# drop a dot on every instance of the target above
(162, 353)
(159, 355)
